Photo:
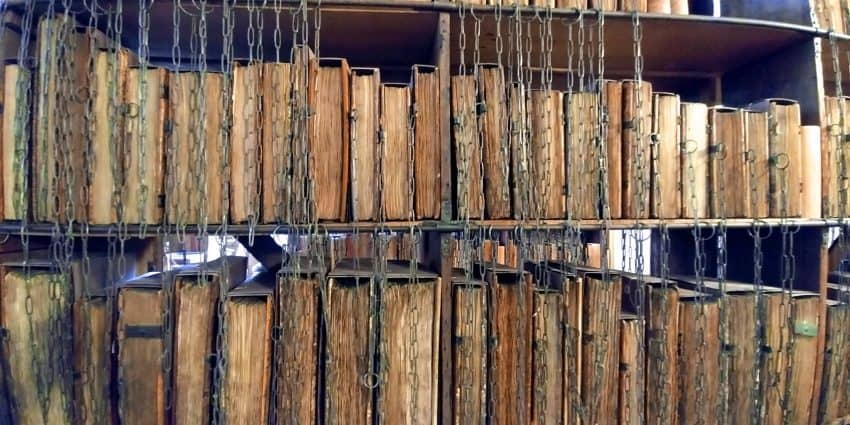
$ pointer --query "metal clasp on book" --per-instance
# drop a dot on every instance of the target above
(689, 146)
(750, 156)
(131, 110)
(370, 380)
(654, 139)
(780, 161)
(718, 150)
(4, 334)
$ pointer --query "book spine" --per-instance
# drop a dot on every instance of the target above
(600, 331)
(662, 339)
(46, 131)
(107, 136)
(303, 105)
(758, 161)
(365, 106)
(426, 161)
(629, 406)
(636, 154)
(583, 156)
(547, 151)
(396, 154)
(699, 351)
(695, 158)
(613, 108)
(729, 178)
(211, 201)
(785, 142)
(659, 6)
(834, 400)
(496, 142)
(330, 140)
(470, 354)
(467, 148)
(666, 179)
(244, 393)
(16, 138)
(140, 378)
(831, 158)
(742, 333)
(245, 188)
(511, 354)
(811, 165)
(679, 7)
(803, 355)
(299, 362)
(548, 369)
(276, 142)
(776, 336)
(92, 362)
(520, 152)
(634, 5)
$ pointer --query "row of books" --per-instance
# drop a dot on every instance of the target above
(555, 343)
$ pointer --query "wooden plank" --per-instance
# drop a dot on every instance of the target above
(583, 153)
(636, 155)
(744, 356)
(629, 410)
(15, 137)
(600, 331)
(695, 158)
(245, 159)
(426, 160)
(93, 362)
(365, 110)
(666, 197)
(834, 400)
(298, 377)
(248, 333)
(441, 55)
(140, 378)
(470, 194)
(679, 7)
(330, 139)
(495, 141)
(276, 142)
(803, 355)
(612, 96)
(547, 151)
(45, 184)
(470, 354)
(633, 5)
(699, 325)
(349, 372)
(510, 357)
(395, 106)
(729, 182)
(662, 330)
(758, 159)
(548, 362)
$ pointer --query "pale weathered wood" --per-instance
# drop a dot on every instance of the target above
(612, 97)
(245, 390)
(31, 346)
(758, 161)
(93, 362)
(396, 160)
(365, 108)
(803, 358)
(832, 151)
(695, 159)
(600, 350)
(44, 183)
(744, 358)
(574, 300)
(811, 177)
(470, 354)
(548, 368)
(299, 362)
(521, 157)
(15, 136)
(470, 195)
(548, 178)
(659, 6)
(679, 7)
(834, 400)
(426, 161)
(303, 104)
(276, 142)
(606, 5)
(729, 181)
(245, 160)
(633, 5)
(699, 354)
(349, 369)
(509, 372)
(666, 198)
(661, 357)
(495, 142)
(583, 150)
(630, 410)
(786, 153)
(329, 140)
(140, 379)
(776, 333)
(636, 155)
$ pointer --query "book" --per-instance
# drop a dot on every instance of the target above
(830, 15)
(495, 141)
(699, 354)
(16, 138)
(834, 400)
(426, 130)
(695, 157)
(633, 5)
(144, 131)
(729, 181)
(802, 356)
(775, 355)
(468, 147)
(758, 161)
(110, 71)
(330, 140)
(350, 377)
(599, 344)
(194, 143)
(679, 7)
(606, 5)
(659, 6)
(666, 180)
(785, 144)
(572, 286)
(37, 338)
(549, 371)
(396, 158)
(521, 156)
(141, 379)
(546, 145)
(245, 157)
(303, 106)
(471, 341)
(835, 157)
(365, 123)
(612, 107)
(810, 162)
(636, 154)
(562, 4)
(276, 142)
(93, 361)
(583, 151)
(409, 348)
(662, 330)
(629, 407)
(249, 315)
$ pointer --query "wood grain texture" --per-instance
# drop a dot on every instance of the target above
(93, 362)
(629, 408)
(194, 324)
(612, 97)
(636, 155)
(600, 333)
(583, 151)
(245, 188)
(758, 161)
(469, 382)
(395, 106)
(834, 400)
(304, 103)
(661, 362)
(521, 156)
(786, 150)
(633, 5)
(606, 5)
(470, 195)
(145, 162)
(666, 199)
(699, 354)
(729, 182)
(659, 6)
(568, 3)
(30, 345)
(548, 174)
(245, 389)
(776, 333)
(15, 137)
(349, 401)
(744, 356)
(276, 142)
(695, 158)
(679, 7)
(330, 139)
(803, 355)
(299, 319)
(548, 393)
(510, 368)
(495, 142)
(832, 15)
(365, 106)
(407, 331)
(140, 379)
(574, 301)
(834, 157)
(811, 178)
(426, 161)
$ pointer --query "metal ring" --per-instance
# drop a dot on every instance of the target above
(129, 111)
(750, 156)
(720, 149)
(689, 146)
(370, 380)
(777, 161)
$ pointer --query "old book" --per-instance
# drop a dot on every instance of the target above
(662, 330)
(666, 180)
(562, 4)
(521, 157)
(612, 107)
(107, 136)
(144, 131)
(758, 161)
(469, 359)
(810, 162)
(802, 356)
(330, 138)
(659, 6)
(633, 5)
(695, 159)
(140, 346)
(276, 143)
(785, 145)
(249, 311)
(630, 388)
(37, 339)
(729, 182)
(549, 373)
(835, 157)
(774, 355)
(245, 157)
(546, 145)
(16, 138)
(468, 147)
(606, 5)
(599, 345)
(831, 15)
(396, 157)
(510, 326)
(699, 354)
(583, 151)
(93, 361)
(495, 141)
(365, 122)
(303, 105)
(744, 355)
(834, 400)
(426, 128)
(679, 7)
(409, 353)
(636, 154)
